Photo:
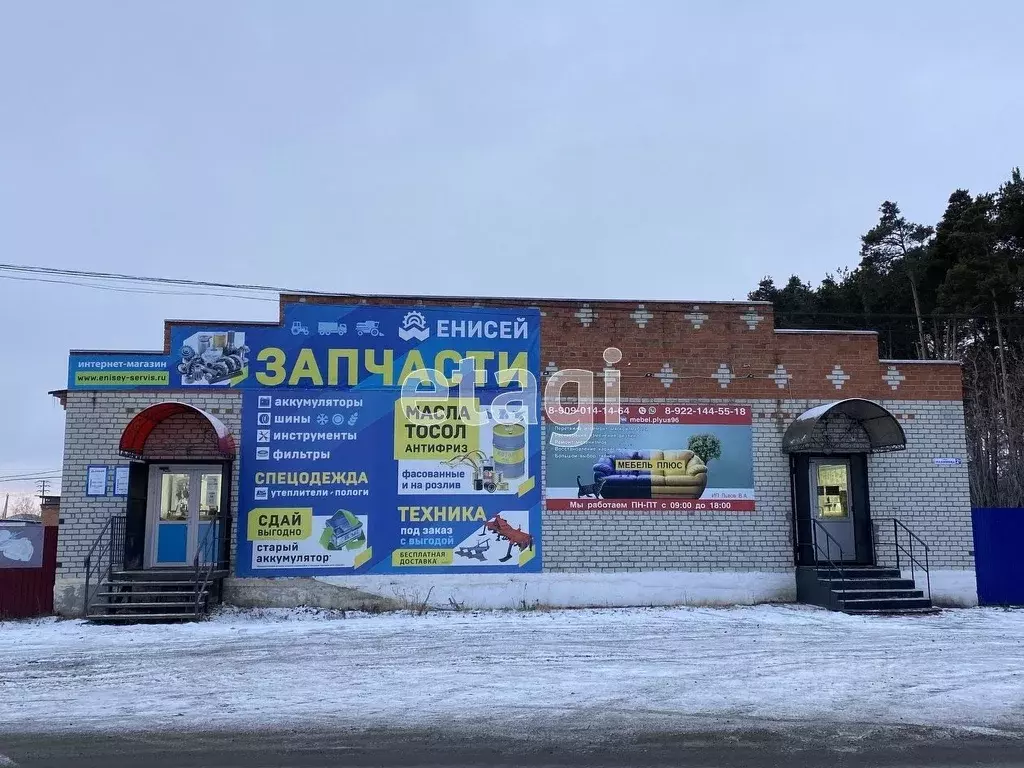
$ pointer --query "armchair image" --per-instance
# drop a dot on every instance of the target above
(652, 474)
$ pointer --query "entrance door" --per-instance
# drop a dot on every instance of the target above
(184, 502)
(831, 505)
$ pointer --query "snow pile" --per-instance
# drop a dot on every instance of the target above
(649, 668)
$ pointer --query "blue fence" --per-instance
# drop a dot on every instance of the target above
(999, 555)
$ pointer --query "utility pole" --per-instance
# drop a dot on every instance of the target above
(43, 485)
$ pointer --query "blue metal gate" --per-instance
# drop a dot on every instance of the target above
(998, 544)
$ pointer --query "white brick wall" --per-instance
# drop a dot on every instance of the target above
(94, 424)
(933, 500)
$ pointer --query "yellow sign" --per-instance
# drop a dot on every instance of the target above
(442, 430)
(287, 524)
(418, 558)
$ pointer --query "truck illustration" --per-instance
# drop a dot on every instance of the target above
(328, 329)
(516, 537)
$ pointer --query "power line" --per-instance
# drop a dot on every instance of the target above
(30, 477)
(74, 277)
(125, 289)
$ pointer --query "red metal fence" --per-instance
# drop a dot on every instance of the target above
(28, 592)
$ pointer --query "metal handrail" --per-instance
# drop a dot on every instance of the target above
(829, 538)
(204, 567)
(899, 548)
(926, 565)
(107, 537)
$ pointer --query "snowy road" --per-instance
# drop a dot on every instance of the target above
(647, 669)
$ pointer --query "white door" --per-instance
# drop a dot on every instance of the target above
(184, 502)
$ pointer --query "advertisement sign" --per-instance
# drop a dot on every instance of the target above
(97, 370)
(21, 545)
(338, 473)
(653, 457)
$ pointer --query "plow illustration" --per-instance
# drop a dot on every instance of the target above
(503, 531)
(476, 552)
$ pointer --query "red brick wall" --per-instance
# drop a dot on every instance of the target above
(574, 334)
(183, 436)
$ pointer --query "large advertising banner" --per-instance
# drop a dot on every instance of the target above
(653, 457)
(341, 474)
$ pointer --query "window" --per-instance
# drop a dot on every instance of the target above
(833, 491)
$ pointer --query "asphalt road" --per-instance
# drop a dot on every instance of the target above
(793, 748)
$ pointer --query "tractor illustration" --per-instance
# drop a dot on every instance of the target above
(516, 537)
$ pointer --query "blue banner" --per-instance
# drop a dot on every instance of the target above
(338, 473)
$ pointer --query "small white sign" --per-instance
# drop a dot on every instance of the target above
(96, 481)
(949, 461)
(264, 401)
(121, 481)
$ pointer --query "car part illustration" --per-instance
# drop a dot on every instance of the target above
(485, 476)
(215, 358)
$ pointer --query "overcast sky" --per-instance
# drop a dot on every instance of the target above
(580, 149)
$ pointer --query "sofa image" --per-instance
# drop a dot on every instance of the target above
(652, 474)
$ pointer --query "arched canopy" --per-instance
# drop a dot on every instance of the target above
(843, 426)
(133, 439)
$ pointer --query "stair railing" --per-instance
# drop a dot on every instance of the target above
(209, 557)
(908, 550)
(827, 551)
(105, 554)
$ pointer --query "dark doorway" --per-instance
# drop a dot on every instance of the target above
(832, 490)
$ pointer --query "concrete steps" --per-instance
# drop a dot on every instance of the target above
(166, 595)
(862, 589)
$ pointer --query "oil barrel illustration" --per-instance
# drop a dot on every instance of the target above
(509, 450)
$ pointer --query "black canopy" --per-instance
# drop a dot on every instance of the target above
(810, 433)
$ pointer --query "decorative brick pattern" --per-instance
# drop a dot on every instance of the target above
(665, 375)
(586, 315)
(893, 377)
(696, 317)
(780, 376)
(642, 316)
(723, 375)
(752, 318)
(838, 376)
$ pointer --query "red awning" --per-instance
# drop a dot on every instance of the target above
(133, 439)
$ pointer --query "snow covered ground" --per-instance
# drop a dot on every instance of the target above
(515, 670)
